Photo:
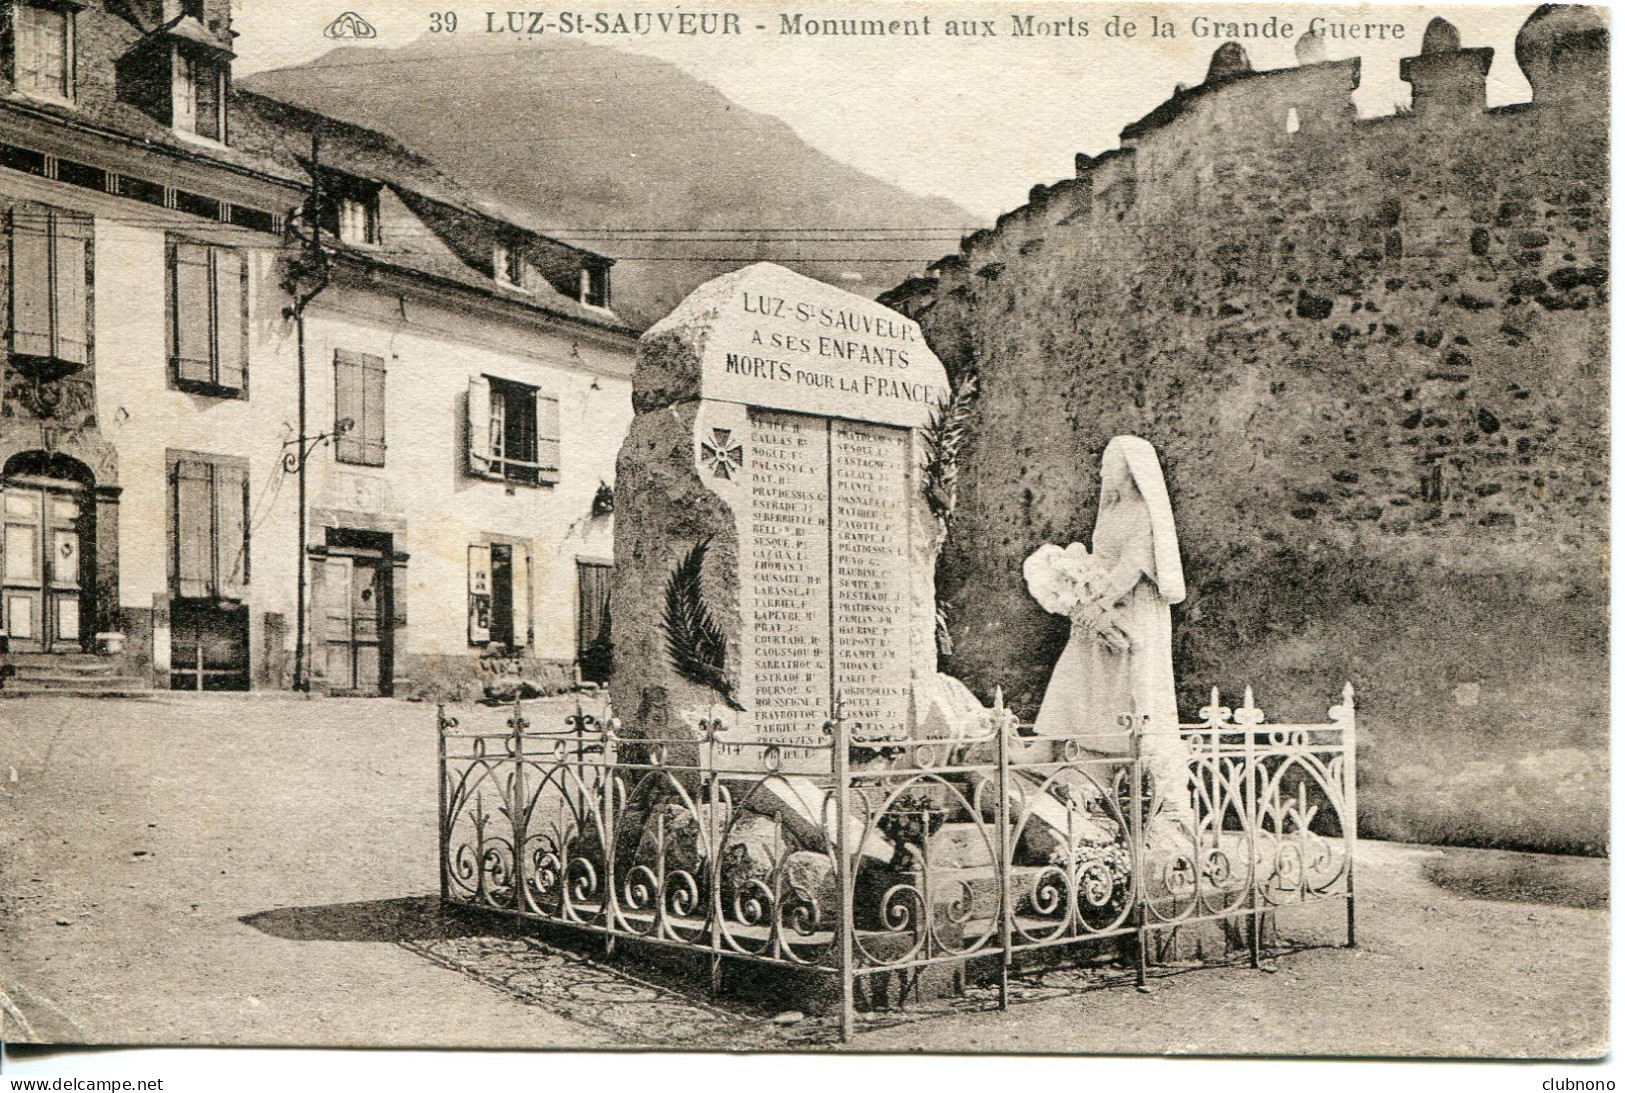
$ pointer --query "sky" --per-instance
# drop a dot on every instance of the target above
(976, 120)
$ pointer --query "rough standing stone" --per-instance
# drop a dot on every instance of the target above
(771, 503)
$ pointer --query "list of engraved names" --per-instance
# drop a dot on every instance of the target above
(786, 525)
(869, 516)
(827, 503)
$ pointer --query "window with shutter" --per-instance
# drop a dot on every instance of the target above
(197, 93)
(50, 283)
(209, 526)
(207, 300)
(206, 81)
(194, 529)
(595, 287)
(42, 38)
(358, 395)
(513, 432)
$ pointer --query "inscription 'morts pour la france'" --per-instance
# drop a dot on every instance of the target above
(786, 549)
(783, 341)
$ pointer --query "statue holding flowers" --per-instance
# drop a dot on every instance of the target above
(1119, 660)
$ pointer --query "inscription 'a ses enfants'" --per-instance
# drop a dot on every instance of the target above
(844, 327)
(774, 339)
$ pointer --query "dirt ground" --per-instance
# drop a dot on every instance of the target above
(246, 870)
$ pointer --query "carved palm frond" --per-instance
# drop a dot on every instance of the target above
(695, 643)
(944, 437)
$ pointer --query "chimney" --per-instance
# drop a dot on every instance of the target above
(1563, 50)
(1446, 80)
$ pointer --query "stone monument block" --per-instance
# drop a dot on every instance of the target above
(774, 549)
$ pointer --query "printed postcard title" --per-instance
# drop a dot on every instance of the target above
(1215, 25)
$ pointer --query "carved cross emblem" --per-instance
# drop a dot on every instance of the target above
(722, 455)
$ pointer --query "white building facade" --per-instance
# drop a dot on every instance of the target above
(465, 387)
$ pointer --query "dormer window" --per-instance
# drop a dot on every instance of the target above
(508, 264)
(179, 75)
(358, 219)
(42, 34)
(595, 286)
(350, 209)
(199, 95)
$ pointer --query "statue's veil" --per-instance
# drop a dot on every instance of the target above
(1143, 466)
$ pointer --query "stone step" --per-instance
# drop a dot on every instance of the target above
(63, 671)
(70, 684)
(61, 662)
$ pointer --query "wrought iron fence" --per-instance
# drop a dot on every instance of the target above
(906, 853)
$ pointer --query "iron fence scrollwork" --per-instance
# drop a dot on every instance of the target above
(905, 853)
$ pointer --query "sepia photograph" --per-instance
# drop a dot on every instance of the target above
(882, 526)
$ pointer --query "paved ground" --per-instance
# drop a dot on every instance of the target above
(254, 870)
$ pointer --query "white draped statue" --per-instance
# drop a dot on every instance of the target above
(1119, 659)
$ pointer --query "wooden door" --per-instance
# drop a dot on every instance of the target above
(41, 575)
(350, 601)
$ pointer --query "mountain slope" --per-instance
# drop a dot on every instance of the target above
(586, 138)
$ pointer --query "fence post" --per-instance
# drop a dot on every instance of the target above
(607, 837)
(1001, 728)
(443, 837)
(1137, 855)
(1250, 804)
(714, 851)
(608, 833)
(519, 725)
(1351, 822)
(843, 867)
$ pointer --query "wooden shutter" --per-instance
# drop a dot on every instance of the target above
(479, 426)
(194, 529)
(31, 280)
(231, 530)
(347, 403)
(479, 595)
(70, 269)
(191, 297)
(229, 271)
(358, 394)
(547, 436)
(372, 410)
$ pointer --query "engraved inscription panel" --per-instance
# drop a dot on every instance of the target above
(869, 518)
(824, 587)
(785, 583)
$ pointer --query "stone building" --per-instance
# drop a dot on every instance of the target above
(1374, 356)
(466, 374)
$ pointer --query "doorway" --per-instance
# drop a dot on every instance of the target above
(594, 650)
(352, 593)
(45, 527)
(502, 595)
